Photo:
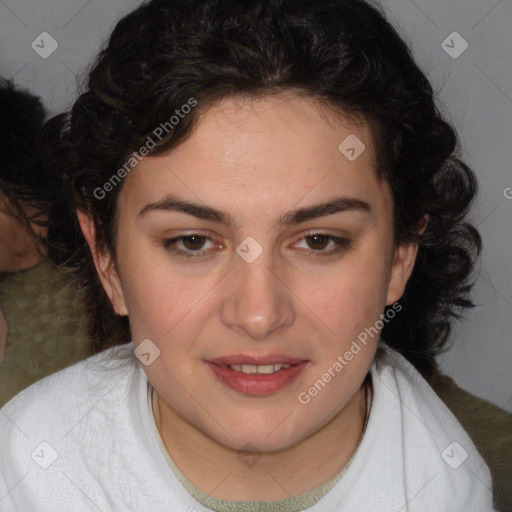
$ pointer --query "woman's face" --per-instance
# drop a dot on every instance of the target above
(19, 249)
(253, 285)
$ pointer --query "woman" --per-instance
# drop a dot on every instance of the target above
(274, 236)
(41, 330)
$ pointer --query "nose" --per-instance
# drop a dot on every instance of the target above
(258, 301)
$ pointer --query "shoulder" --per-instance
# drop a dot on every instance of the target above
(432, 439)
(56, 399)
(85, 427)
(396, 376)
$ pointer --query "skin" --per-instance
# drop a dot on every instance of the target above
(19, 249)
(256, 159)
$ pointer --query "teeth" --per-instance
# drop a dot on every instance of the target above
(268, 368)
(251, 368)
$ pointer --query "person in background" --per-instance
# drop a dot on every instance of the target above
(23, 184)
(37, 301)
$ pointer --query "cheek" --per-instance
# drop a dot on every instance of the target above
(352, 297)
(152, 310)
(13, 233)
(147, 297)
(162, 304)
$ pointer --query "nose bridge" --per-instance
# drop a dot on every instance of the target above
(257, 301)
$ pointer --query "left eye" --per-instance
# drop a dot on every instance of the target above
(193, 244)
(318, 242)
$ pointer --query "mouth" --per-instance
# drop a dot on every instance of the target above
(257, 375)
(252, 369)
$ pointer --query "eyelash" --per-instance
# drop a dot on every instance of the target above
(342, 244)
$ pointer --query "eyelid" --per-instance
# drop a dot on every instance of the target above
(170, 245)
(336, 233)
(342, 244)
(303, 234)
(199, 234)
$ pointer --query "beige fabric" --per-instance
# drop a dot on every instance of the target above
(46, 326)
(489, 427)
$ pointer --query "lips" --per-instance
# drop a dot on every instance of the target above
(256, 360)
(258, 369)
(257, 375)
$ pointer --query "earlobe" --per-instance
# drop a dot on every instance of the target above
(403, 264)
(104, 265)
(401, 270)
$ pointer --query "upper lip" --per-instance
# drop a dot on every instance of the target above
(256, 360)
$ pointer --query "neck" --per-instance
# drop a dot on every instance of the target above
(216, 469)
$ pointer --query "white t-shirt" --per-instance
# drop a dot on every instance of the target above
(83, 440)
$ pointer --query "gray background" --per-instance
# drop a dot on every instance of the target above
(474, 90)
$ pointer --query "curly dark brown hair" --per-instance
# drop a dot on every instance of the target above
(341, 52)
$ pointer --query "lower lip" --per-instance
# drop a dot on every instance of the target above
(257, 383)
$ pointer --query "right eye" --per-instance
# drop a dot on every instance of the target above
(192, 245)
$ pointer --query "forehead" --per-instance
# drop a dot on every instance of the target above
(270, 153)
(292, 126)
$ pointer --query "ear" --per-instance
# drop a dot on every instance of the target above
(104, 265)
(402, 267)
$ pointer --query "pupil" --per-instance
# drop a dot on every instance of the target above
(322, 238)
(196, 242)
(192, 238)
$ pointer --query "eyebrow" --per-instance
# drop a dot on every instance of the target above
(297, 216)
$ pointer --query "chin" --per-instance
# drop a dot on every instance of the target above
(269, 434)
